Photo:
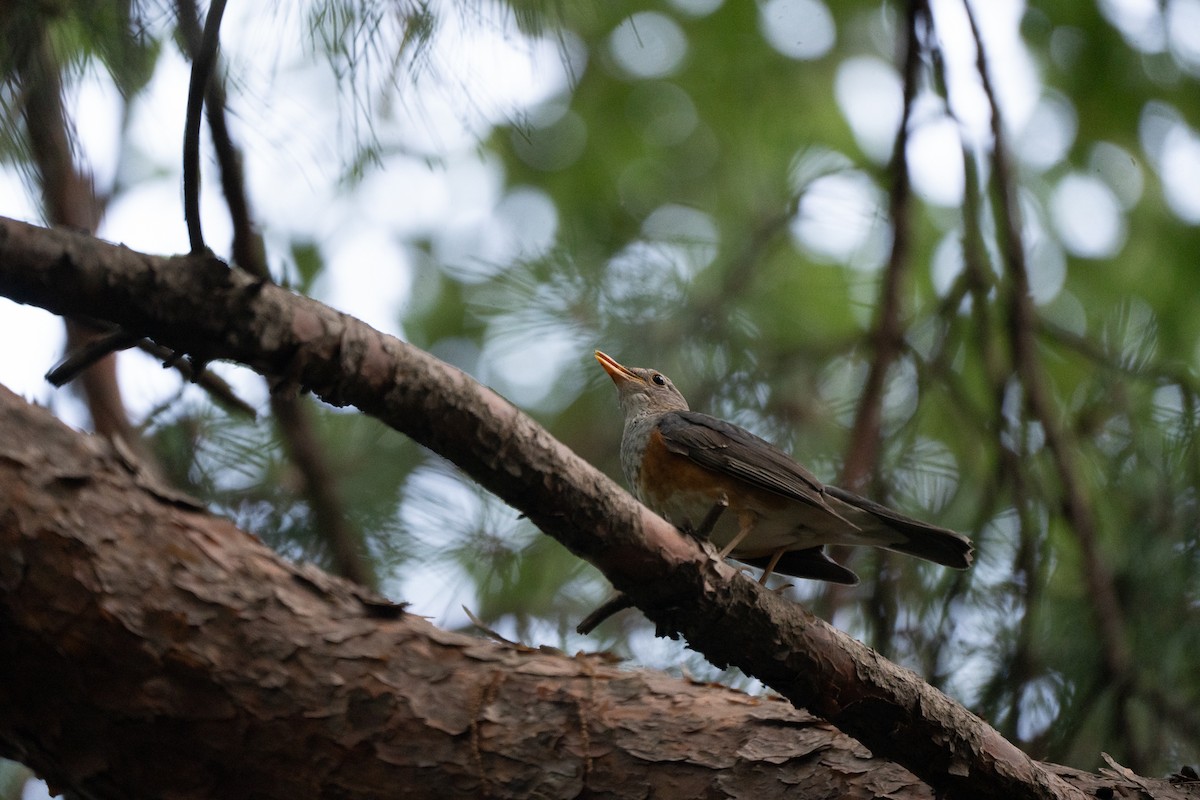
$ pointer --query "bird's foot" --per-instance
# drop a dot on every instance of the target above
(710, 519)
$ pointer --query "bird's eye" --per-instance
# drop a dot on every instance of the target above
(659, 380)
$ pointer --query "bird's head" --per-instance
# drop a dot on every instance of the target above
(642, 391)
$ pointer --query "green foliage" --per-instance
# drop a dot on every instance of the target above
(238, 468)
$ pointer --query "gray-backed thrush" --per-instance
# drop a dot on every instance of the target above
(682, 464)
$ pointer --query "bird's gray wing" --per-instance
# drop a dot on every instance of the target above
(729, 449)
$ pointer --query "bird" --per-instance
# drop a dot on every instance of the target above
(750, 498)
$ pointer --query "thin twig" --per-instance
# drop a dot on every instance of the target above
(618, 601)
(1028, 559)
(979, 282)
(203, 64)
(888, 333)
(206, 379)
(104, 344)
(1115, 649)
(247, 244)
(1157, 373)
(321, 489)
(88, 353)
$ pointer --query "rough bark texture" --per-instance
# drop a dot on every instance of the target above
(148, 649)
(197, 305)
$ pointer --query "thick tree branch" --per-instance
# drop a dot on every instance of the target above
(728, 618)
(150, 649)
(199, 661)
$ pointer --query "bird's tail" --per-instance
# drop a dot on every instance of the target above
(920, 539)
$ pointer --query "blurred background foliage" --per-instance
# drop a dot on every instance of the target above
(709, 188)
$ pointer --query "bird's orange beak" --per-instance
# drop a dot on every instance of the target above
(620, 375)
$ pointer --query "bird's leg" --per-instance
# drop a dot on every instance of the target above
(746, 522)
(710, 519)
(778, 554)
(620, 601)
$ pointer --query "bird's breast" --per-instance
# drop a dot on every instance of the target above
(684, 492)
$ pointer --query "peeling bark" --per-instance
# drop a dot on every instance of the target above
(731, 620)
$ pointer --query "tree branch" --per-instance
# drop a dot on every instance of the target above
(887, 336)
(728, 618)
(317, 688)
(151, 649)
(68, 198)
(203, 66)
